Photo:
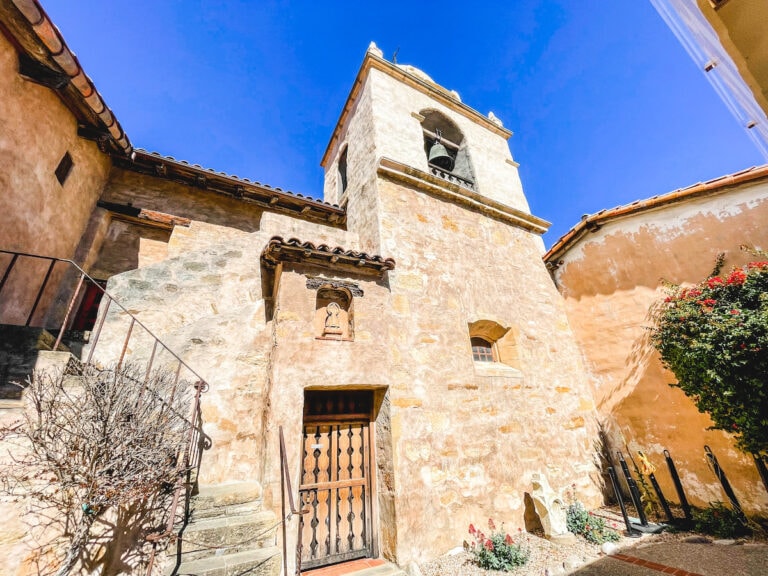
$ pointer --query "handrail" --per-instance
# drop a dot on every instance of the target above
(189, 459)
(285, 484)
(84, 276)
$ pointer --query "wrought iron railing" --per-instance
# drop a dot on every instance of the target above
(450, 177)
(43, 292)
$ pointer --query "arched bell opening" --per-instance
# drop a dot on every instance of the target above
(444, 145)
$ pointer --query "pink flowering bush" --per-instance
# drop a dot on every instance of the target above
(714, 338)
(497, 550)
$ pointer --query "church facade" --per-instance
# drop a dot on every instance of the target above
(426, 362)
(403, 333)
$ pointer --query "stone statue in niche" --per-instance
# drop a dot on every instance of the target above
(333, 314)
(332, 319)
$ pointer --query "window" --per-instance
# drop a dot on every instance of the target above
(342, 172)
(64, 168)
(494, 344)
(482, 350)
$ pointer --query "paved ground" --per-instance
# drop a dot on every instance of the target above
(683, 559)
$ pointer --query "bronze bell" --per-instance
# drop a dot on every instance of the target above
(438, 155)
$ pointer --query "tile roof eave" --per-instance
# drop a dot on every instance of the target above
(294, 250)
(594, 221)
(268, 197)
(79, 86)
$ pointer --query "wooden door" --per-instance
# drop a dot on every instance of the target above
(336, 491)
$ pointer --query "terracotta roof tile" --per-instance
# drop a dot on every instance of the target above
(294, 250)
(594, 221)
(50, 37)
(141, 153)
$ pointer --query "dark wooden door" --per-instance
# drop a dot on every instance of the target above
(336, 491)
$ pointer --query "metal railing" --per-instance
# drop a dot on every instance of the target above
(43, 292)
(451, 177)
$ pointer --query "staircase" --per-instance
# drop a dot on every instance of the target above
(20, 353)
(228, 534)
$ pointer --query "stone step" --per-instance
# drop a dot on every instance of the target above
(259, 562)
(226, 500)
(387, 569)
(226, 535)
(361, 567)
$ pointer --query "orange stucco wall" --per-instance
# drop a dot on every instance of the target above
(37, 214)
(610, 278)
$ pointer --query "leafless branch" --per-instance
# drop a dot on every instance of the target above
(97, 450)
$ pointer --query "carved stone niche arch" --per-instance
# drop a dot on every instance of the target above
(334, 313)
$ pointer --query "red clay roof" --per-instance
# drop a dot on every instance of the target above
(594, 221)
(294, 250)
(49, 36)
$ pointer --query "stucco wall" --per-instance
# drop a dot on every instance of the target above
(610, 278)
(37, 214)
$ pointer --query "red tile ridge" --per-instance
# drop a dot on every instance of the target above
(48, 34)
(274, 251)
(594, 221)
(142, 153)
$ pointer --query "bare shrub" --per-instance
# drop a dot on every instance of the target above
(97, 455)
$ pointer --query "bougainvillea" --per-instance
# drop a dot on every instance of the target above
(714, 338)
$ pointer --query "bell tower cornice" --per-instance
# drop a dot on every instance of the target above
(373, 61)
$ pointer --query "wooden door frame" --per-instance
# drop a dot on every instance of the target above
(370, 469)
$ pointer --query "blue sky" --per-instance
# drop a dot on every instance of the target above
(605, 105)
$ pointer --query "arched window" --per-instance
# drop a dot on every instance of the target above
(492, 342)
(482, 350)
(445, 148)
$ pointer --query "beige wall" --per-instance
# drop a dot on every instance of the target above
(609, 279)
(36, 129)
(37, 214)
(467, 437)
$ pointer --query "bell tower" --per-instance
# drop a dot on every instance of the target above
(397, 117)
(474, 339)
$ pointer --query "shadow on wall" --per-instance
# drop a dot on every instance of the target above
(150, 193)
(531, 518)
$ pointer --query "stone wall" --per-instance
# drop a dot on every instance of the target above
(203, 295)
(610, 278)
(359, 199)
(468, 436)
